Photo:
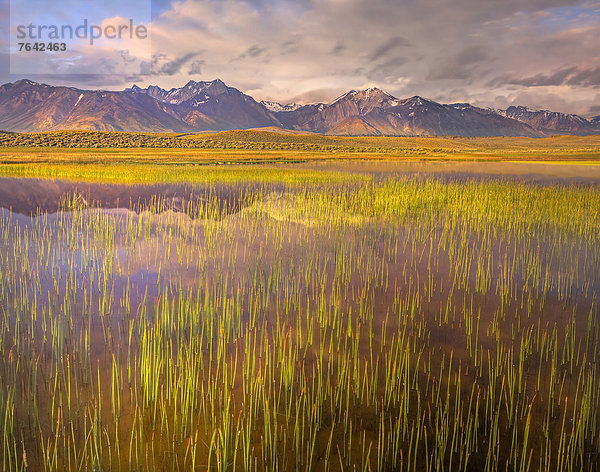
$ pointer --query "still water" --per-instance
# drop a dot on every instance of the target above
(413, 316)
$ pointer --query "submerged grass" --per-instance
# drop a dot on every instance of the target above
(201, 174)
(351, 323)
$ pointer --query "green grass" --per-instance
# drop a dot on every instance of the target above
(344, 322)
(126, 173)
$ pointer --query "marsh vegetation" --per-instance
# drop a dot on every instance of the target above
(322, 321)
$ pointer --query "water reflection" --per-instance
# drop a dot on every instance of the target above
(153, 333)
(30, 195)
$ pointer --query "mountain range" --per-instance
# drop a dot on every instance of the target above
(28, 106)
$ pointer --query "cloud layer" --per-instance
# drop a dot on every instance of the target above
(543, 53)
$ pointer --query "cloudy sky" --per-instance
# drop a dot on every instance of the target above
(538, 53)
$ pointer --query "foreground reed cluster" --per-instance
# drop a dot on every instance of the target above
(367, 325)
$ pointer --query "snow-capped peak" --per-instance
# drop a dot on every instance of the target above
(351, 93)
(278, 107)
(28, 82)
(375, 90)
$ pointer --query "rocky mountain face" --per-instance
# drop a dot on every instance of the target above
(28, 106)
(200, 106)
(550, 122)
(227, 106)
(375, 112)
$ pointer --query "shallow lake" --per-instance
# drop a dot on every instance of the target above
(377, 316)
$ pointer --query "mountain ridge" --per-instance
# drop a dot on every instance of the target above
(26, 105)
(550, 121)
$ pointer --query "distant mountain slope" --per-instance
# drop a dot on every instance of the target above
(376, 112)
(227, 106)
(355, 126)
(212, 106)
(321, 118)
(550, 122)
(28, 106)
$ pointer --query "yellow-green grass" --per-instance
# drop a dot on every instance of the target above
(153, 173)
(385, 325)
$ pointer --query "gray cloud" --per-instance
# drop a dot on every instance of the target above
(486, 52)
(389, 45)
(162, 65)
(126, 56)
(454, 51)
(457, 66)
(573, 76)
(586, 77)
(387, 70)
(594, 110)
(557, 77)
(252, 52)
(316, 96)
(337, 49)
(196, 67)
(289, 47)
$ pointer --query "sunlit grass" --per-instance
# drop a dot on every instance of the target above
(343, 322)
